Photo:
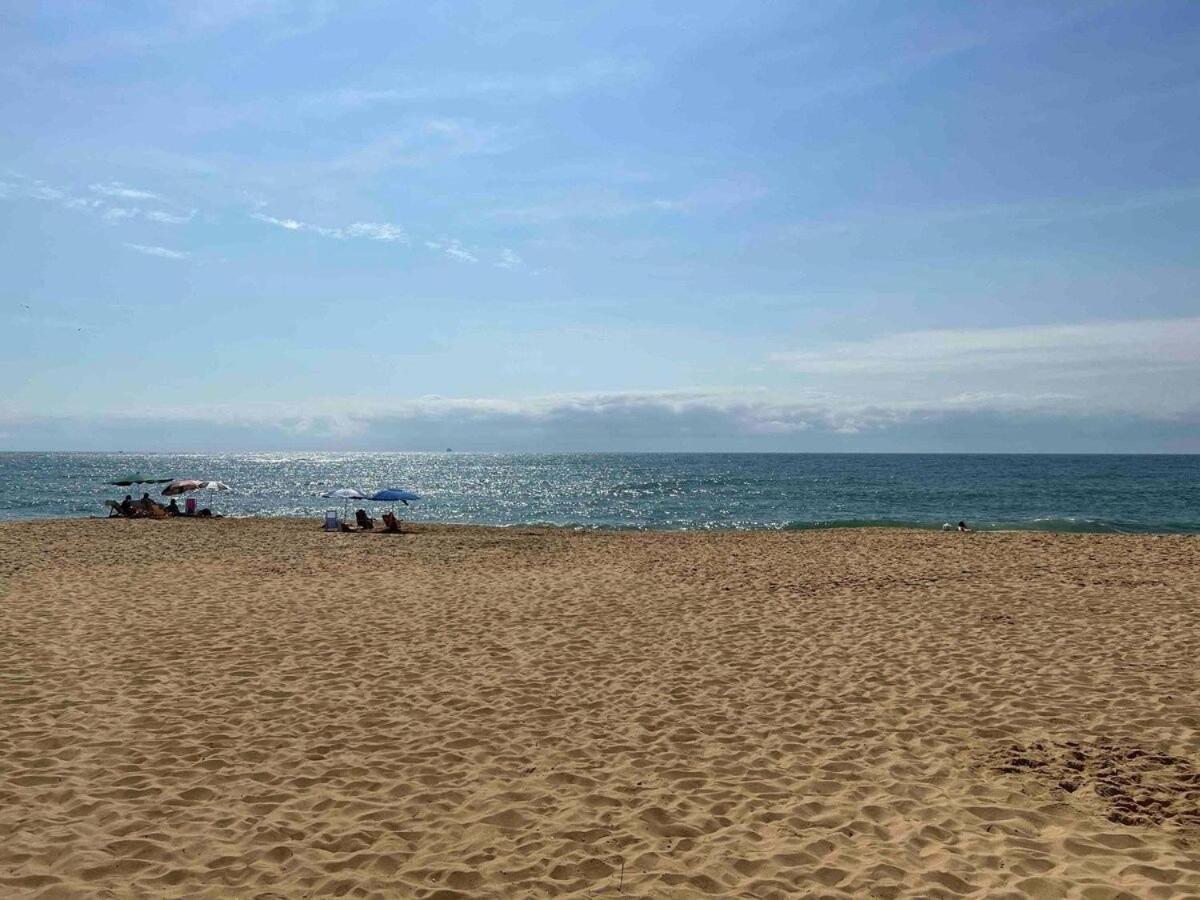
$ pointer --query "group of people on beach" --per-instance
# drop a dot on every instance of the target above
(147, 508)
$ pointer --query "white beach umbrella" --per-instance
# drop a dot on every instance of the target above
(215, 487)
(345, 494)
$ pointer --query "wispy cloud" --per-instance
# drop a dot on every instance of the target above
(454, 250)
(171, 23)
(410, 87)
(598, 202)
(161, 252)
(377, 231)
(422, 143)
(1154, 344)
(373, 231)
(158, 215)
(1140, 367)
(388, 233)
(124, 192)
(509, 260)
(104, 205)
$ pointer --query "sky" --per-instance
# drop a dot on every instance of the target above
(821, 226)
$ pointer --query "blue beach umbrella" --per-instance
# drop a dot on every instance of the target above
(394, 495)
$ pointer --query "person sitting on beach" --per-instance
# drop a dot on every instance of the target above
(963, 526)
(146, 503)
(365, 522)
(127, 505)
(392, 523)
(173, 508)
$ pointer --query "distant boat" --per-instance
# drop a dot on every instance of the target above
(449, 449)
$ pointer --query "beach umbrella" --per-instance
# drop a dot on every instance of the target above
(215, 487)
(394, 495)
(183, 486)
(345, 494)
(137, 478)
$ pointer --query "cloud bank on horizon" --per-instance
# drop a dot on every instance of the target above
(702, 226)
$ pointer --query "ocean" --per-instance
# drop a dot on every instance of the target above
(670, 491)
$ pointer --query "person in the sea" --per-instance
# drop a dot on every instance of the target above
(127, 505)
(173, 508)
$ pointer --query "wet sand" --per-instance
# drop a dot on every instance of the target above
(252, 708)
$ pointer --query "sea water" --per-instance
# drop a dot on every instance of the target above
(670, 491)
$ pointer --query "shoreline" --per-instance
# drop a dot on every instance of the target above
(1128, 530)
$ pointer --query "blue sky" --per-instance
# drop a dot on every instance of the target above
(276, 224)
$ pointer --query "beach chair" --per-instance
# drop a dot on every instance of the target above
(331, 520)
(392, 523)
(189, 506)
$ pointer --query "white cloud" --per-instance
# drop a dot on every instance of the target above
(373, 231)
(1141, 367)
(509, 260)
(161, 252)
(289, 224)
(637, 420)
(40, 191)
(1152, 344)
(124, 192)
(158, 215)
(454, 249)
(377, 231)
(106, 208)
(83, 204)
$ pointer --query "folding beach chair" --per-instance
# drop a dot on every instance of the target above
(331, 520)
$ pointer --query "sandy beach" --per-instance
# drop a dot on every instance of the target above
(252, 708)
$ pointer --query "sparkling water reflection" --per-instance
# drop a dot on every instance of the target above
(675, 491)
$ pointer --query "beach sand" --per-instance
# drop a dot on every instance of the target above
(251, 708)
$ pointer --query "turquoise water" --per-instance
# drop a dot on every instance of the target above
(674, 491)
